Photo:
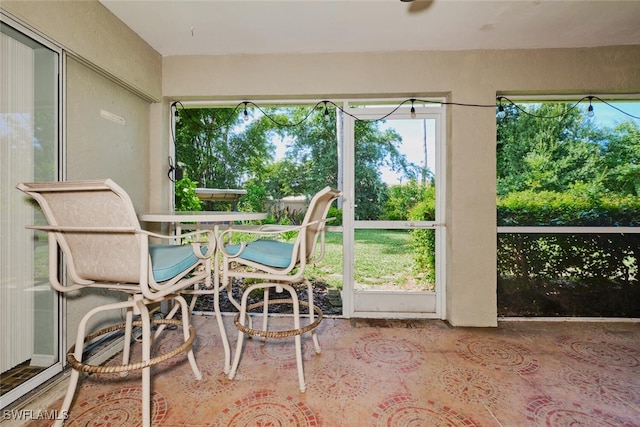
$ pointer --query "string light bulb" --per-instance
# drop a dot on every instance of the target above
(501, 112)
(245, 113)
(413, 109)
(176, 116)
(326, 112)
(590, 112)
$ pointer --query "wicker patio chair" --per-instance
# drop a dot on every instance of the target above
(277, 264)
(95, 227)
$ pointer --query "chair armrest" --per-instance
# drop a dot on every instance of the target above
(257, 233)
(263, 231)
(283, 228)
(277, 227)
(210, 244)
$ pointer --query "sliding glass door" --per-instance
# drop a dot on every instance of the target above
(29, 151)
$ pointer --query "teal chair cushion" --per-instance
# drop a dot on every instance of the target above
(267, 252)
(167, 261)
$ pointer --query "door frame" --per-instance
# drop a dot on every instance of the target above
(393, 304)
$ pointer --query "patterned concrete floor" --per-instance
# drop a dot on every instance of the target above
(390, 373)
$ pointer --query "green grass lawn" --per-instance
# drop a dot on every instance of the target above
(384, 261)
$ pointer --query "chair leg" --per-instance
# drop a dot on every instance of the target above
(186, 333)
(297, 339)
(146, 355)
(301, 381)
(186, 319)
(128, 331)
(223, 331)
(134, 305)
(75, 375)
(241, 318)
(314, 336)
(265, 313)
(66, 404)
(77, 354)
(194, 299)
(170, 315)
(216, 309)
(227, 283)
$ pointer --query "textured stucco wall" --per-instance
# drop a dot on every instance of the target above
(464, 77)
(91, 33)
(107, 132)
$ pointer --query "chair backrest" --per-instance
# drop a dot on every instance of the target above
(99, 205)
(317, 211)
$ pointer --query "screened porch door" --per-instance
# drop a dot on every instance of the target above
(393, 268)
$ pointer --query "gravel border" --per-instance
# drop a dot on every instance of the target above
(328, 299)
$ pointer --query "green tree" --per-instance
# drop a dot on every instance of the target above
(552, 152)
(285, 178)
(313, 148)
(218, 149)
(373, 150)
(622, 158)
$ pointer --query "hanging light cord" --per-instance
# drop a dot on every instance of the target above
(322, 105)
(589, 98)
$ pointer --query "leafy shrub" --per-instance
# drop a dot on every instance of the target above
(186, 197)
(335, 213)
(401, 199)
(254, 200)
(284, 216)
(578, 256)
(550, 208)
(423, 241)
(415, 201)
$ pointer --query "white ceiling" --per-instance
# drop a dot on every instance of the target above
(213, 27)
